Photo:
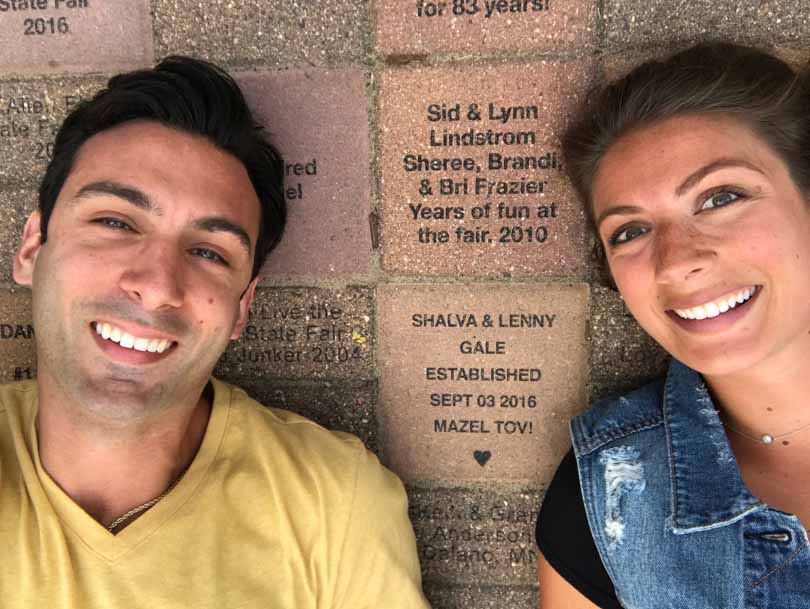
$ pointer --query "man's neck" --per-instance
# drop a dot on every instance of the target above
(110, 467)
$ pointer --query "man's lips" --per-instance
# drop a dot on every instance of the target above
(130, 348)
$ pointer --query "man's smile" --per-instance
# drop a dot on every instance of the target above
(130, 348)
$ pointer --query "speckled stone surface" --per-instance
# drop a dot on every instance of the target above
(31, 112)
(76, 35)
(318, 121)
(339, 405)
(478, 535)
(623, 356)
(272, 33)
(442, 596)
(480, 26)
(442, 422)
(17, 347)
(304, 333)
(642, 22)
(15, 206)
(451, 202)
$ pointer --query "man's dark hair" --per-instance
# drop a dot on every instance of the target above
(759, 90)
(186, 94)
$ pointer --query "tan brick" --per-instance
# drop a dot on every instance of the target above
(304, 333)
(438, 425)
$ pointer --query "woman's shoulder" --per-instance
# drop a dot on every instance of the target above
(615, 417)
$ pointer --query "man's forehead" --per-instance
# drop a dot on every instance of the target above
(165, 168)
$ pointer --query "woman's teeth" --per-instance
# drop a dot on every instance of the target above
(716, 307)
(126, 340)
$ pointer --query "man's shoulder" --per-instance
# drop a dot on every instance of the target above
(16, 395)
(286, 433)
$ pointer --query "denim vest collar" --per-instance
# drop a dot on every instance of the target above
(707, 488)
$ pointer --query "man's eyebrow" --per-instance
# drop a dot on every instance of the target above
(120, 191)
(218, 224)
(701, 173)
(617, 210)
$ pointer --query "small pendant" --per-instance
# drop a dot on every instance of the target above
(767, 439)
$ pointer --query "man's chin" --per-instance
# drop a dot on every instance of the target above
(121, 399)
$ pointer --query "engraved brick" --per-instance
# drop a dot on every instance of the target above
(75, 35)
(640, 22)
(340, 405)
(452, 203)
(17, 346)
(480, 26)
(15, 206)
(281, 33)
(443, 596)
(623, 356)
(304, 333)
(482, 535)
(318, 121)
(478, 382)
(31, 112)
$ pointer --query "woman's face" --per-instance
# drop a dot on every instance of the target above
(708, 240)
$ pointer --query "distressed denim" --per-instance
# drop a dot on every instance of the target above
(673, 521)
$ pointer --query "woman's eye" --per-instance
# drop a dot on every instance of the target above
(208, 255)
(623, 235)
(719, 199)
(113, 223)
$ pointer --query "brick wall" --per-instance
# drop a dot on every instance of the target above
(435, 292)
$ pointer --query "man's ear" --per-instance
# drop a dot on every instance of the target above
(26, 256)
(244, 308)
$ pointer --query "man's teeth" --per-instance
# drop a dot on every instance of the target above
(716, 307)
(124, 339)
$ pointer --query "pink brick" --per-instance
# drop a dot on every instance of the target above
(429, 117)
(318, 120)
(416, 27)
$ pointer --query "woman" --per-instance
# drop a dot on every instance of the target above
(693, 492)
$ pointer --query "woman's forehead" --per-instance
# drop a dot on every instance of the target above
(663, 154)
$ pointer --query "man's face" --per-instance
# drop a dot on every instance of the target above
(145, 275)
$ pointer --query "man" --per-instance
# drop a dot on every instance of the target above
(128, 476)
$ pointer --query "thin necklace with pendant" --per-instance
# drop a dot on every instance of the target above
(766, 438)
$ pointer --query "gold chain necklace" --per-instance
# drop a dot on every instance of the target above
(142, 508)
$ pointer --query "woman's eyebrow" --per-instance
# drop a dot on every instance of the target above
(697, 175)
(617, 210)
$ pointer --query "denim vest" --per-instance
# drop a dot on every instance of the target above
(673, 521)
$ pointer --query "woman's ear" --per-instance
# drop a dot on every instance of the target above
(26, 256)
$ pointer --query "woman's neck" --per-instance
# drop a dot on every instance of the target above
(773, 399)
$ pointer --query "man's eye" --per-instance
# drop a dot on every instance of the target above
(113, 223)
(720, 199)
(208, 255)
(625, 234)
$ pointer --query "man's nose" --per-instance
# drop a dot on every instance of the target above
(155, 279)
(681, 254)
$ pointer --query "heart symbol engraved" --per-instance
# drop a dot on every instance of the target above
(482, 456)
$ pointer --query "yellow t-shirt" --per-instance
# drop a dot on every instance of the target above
(274, 512)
